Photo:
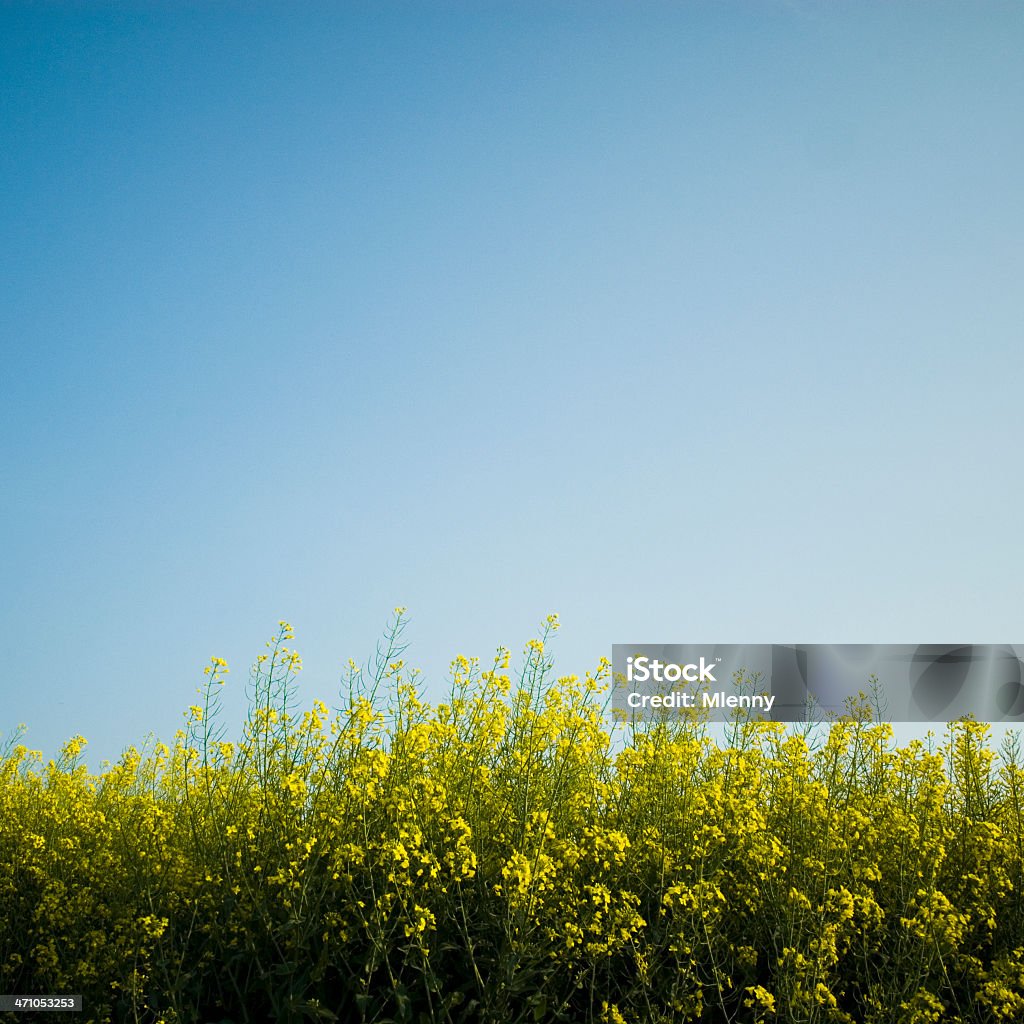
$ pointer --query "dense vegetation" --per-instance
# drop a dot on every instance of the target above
(502, 857)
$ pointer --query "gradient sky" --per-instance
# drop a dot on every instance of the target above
(689, 321)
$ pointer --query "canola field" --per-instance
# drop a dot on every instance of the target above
(509, 856)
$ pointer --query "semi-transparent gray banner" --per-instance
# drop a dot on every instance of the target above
(798, 682)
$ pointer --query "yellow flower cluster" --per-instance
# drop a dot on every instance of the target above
(505, 855)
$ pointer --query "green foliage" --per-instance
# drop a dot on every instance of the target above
(498, 858)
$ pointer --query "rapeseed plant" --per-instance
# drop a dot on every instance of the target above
(499, 857)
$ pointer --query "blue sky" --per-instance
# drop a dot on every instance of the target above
(687, 321)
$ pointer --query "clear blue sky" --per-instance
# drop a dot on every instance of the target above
(688, 321)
